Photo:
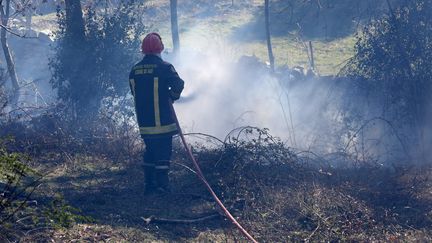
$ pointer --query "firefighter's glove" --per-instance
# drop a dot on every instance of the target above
(174, 96)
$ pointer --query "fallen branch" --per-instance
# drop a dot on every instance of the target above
(313, 232)
(154, 219)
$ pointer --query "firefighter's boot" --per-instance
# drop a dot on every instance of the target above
(162, 181)
(149, 179)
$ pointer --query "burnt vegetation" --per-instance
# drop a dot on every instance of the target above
(73, 170)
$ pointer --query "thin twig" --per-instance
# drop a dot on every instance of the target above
(204, 135)
(37, 229)
(385, 121)
(185, 166)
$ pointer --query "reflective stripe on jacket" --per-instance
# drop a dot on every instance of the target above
(154, 83)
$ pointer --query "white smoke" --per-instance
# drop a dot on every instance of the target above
(222, 94)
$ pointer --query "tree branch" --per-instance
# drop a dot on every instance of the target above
(14, 33)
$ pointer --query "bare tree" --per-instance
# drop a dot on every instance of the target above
(267, 26)
(5, 13)
(174, 26)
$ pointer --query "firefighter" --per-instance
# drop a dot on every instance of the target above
(155, 85)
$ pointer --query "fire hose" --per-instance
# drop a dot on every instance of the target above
(204, 180)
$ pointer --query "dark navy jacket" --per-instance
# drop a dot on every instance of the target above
(154, 84)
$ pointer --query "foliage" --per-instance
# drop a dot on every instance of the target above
(62, 215)
(392, 63)
(23, 209)
(13, 170)
(86, 72)
(12, 167)
(17, 184)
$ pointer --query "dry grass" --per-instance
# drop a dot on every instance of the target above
(277, 195)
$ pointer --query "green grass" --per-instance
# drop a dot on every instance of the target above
(44, 23)
(214, 31)
(330, 56)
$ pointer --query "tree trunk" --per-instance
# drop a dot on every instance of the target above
(75, 39)
(4, 11)
(312, 60)
(174, 26)
(267, 26)
(28, 20)
(74, 20)
(28, 23)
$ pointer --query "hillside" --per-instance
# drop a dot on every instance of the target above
(205, 25)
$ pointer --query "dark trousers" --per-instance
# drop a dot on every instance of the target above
(157, 158)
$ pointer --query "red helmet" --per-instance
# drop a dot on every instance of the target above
(152, 44)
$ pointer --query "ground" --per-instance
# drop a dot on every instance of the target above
(277, 194)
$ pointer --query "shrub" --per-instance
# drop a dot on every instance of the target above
(391, 72)
(62, 215)
(392, 62)
(17, 184)
(86, 72)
